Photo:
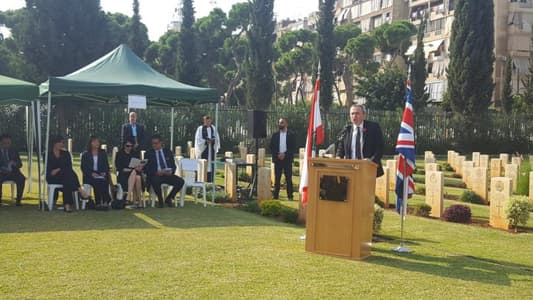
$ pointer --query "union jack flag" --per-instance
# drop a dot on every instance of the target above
(406, 150)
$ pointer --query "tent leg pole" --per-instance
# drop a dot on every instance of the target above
(38, 139)
(172, 129)
(48, 113)
(29, 137)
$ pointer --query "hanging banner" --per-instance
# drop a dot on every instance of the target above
(136, 101)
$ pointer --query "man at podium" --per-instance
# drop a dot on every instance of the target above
(362, 139)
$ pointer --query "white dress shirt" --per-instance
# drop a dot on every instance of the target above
(282, 141)
(354, 135)
(95, 162)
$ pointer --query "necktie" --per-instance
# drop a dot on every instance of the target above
(358, 153)
(161, 158)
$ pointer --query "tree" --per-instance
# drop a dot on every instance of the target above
(470, 82)
(527, 82)
(261, 37)
(507, 97)
(326, 52)
(385, 90)
(343, 34)
(361, 51)
(187, 66)
(137, 34)
(395, 38)
(419, 73)
(162, 54)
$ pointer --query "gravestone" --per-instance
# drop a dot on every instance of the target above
(301, 156)
(429, 167)
(435, 192)
(475, 158)
(516, 160)
(273, 173)
(500, 192)
(449, 157)
(250, 159)
(393, 167)
(480, 183)
(113, 158)
(505, 158)
(468, 167)
(453, 157)
(531, 187)
(192, 153)
(382, 187)
(228, 155)
(230, 180)
(189, 146)
(263, 184)
(69, 146)
(511, 171)
(201, 175)
(459, 164)
(177, 151)
(484, 161)
(495, 167)
(261, 157)
(430, 160)
(243, 151)
(142, 154)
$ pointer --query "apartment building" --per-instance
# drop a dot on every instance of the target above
(370, 14)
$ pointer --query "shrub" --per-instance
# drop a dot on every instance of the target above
(378, 218)
(517, 211)
(252, 207)
(471, 197)
(220, 197)
(447, 167)
(271, 208)
(422, 210)
(457, 213)
(379, 202)
(289, 215)
(420, 190)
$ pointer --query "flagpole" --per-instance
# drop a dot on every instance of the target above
(402, 248)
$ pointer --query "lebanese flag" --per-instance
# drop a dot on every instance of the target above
(315, 136)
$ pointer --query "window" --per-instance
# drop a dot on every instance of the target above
(436, 90)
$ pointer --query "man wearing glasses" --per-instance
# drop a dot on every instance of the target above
(160, 169)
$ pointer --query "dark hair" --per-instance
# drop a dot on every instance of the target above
(131, 141)
(5, 136)
(157, 137)
(91, 140)
(56, 139)
(206, 117)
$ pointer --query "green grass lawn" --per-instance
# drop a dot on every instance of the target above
(218, 252)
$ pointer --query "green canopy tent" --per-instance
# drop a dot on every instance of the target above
(19, 92)
(111, 78)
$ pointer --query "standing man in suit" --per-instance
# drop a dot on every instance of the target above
(207, 144)
(362, 139)
(160, 169)
(10, 165)
(283, 147)
(133, 131)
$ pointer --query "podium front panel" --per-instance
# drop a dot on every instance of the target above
(340, 207)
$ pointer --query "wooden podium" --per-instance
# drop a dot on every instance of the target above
(340, 209)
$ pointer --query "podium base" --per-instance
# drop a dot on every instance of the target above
(402, 249)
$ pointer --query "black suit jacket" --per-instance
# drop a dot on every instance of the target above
(63, 162)
(13, 156)
(291, 146)
(87, 163)
(151, 167)
(372, 143)
(127, 135)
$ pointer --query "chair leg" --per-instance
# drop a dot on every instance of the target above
(13, 186)
(51, 193)
(205, 197)
(77, 200)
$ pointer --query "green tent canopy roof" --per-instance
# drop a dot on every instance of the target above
(120, 73)
(15, 91)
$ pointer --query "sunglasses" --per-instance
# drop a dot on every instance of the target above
(129, 146)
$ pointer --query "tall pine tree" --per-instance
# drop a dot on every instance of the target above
(187, 65)
(507, 97)
(326, 52)
(470, 83)
(418, 70)
(137, 37)
(258, 68)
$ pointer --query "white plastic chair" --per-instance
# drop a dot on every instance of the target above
(188, 168)
(153, 197)
(13, 187)
(51, 191)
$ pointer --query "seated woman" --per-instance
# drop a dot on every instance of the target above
(130, 179)
(95, 169)
(59, 171)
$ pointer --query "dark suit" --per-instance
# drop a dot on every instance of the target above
(127, 135)
(372, 143)
(155, 180)
(100, 185)
(122, 161)
(12, 174)
(283, 166)
(66, 175)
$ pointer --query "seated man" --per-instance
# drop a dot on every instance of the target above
(10, 165)
(160, 169)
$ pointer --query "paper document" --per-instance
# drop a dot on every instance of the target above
(135, 162)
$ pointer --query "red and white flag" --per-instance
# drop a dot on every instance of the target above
(315, 136)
